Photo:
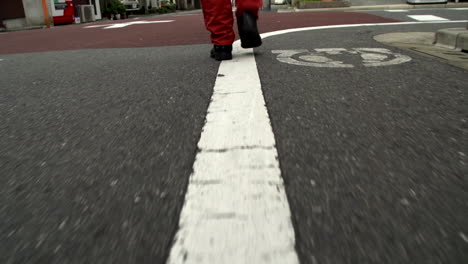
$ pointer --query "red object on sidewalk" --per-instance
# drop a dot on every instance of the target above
(219, 19)
(66, 11)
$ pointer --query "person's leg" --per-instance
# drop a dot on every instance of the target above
(251, 5)
(219, 21)
(247, 15)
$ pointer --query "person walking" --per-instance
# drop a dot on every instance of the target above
(219, 21)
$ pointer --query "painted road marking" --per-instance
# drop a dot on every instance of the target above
(293, 30)
(229, 212)
(427, 18)
(311, 59)
(396, 10)
(371, 57)
(236, 210)
(121, 25)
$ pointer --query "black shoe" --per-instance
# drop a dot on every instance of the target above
(248, 31)
(221, 52)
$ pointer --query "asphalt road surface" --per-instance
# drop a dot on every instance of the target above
(103, 131)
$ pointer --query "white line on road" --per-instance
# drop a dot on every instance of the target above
(236, 210)
(121, 25)
(293, 30)
(427, 18)
(396, 10)
(465, 238)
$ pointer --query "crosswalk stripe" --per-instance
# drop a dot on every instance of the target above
(427, 18)
(396, 10)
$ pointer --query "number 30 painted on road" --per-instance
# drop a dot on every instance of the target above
(371, 57)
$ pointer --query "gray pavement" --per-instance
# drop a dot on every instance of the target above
(450, 38)
(376, 2)
(386, 2)
(374, 158)
(97, 147)
(443, 13)
(96, 150)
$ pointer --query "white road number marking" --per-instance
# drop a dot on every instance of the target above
(371, 57)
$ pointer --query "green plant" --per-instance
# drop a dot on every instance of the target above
(172, 7)
(141, 11)
(115, 7)
(122, 10)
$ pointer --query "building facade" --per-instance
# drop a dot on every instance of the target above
(23, 14)
(18, 14)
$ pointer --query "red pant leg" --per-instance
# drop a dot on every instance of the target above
(251, 5)
(219, 21)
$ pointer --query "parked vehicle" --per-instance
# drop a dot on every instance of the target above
(131, 5)
(63, 12)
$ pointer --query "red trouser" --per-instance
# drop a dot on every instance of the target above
(219, 19)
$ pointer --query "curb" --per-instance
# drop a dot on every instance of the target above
(375, 7)
(6, 30)
(424, 43)
(453, 38)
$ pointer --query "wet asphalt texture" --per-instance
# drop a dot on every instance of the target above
(97, 146)
(95, 158)
(373, 158)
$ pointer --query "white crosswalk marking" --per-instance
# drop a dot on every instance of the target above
(427, 18)
(396, 10)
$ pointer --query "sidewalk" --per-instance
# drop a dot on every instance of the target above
(378, 4)
(452, 39)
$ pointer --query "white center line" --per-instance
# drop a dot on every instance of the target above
(427, 18)
(122, 25)
(236, 210)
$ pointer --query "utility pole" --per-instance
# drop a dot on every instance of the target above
(267, 5)
(46, 13)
